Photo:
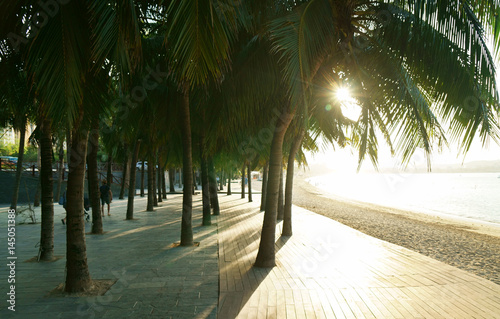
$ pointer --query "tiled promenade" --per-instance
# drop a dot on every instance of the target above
(325, 270)
(154, 279)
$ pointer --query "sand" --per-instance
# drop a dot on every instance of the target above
(463, 243)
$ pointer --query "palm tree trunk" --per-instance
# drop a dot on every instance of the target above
(109, 174)
(159, 172)
(47, 231)
(221, 180)
(77, 271)
(195, 182)
(281, 205)
(205, 190)
(127, 175)
(131, 186)
(171, 180)
(153, 173)
(60, 171)
(142, 178)
(230, 177)
(124, 173)
(94, 178)
(36, 201)
(151, 193)
(249, 176)
(164, 183)
(243, 181)
(266, 255)
(212, 181)
(264, 189)
(68, 146)
(187, 165)
(205, 183)
(287, 219)
(19, 168)
(181, 177)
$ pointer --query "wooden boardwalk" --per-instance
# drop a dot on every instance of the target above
(327, 270)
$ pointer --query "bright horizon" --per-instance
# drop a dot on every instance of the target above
(346, 160)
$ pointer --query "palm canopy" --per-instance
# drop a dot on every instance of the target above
(409, 64)
(199, 37)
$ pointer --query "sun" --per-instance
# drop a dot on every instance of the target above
(349, 105)
(343, 94)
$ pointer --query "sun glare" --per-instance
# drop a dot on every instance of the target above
(350, 108)
(343, 94)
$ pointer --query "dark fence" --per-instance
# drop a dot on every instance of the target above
(31, 168)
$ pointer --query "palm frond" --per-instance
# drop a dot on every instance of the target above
(199, 34)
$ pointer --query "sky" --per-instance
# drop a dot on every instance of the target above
(346, 160)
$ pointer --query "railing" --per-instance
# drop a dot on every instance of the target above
(115, 179)
(31, 168)
(28, 167)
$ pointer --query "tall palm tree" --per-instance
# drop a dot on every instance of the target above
(131, 187)
(199, 35)
(61, 63)
(287, 209)
(93, 177)
(47, 231)
(16, 99)
(391, 65)
(212, 182)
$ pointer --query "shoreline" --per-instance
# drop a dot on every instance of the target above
(467, 244)
(469, 224)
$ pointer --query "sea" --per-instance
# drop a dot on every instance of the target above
(465, 195)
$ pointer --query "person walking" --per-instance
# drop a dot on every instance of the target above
(106, 196)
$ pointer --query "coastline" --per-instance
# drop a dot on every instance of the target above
(468, 244)
(469, 224)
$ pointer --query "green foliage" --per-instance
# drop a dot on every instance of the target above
(7, 149)
(30, 154)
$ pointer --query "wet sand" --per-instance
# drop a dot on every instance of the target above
(471, 246)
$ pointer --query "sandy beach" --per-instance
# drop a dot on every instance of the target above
(468, 245)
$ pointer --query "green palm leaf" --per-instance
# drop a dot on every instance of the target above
(199, 34)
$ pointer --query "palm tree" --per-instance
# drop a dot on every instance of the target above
(205, 184)
(78, 44)
(249, 177)
(60, 167)
(212, 182)
(127, 160)
(287, 209)
(131, 187)
(15, 97)
(281, 199)
(199, 35)
(264, 188)
(47, 231)
(93, 177)
(266, 253)
(142, 177)
(391, 65)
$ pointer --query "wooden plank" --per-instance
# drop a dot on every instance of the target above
(348, 310)
(263, 302)
(387, 302)
(424, 308)
(331, 307)
(375, 306)
(393, 283)
(290, 311)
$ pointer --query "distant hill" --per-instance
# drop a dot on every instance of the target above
(469, 167)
